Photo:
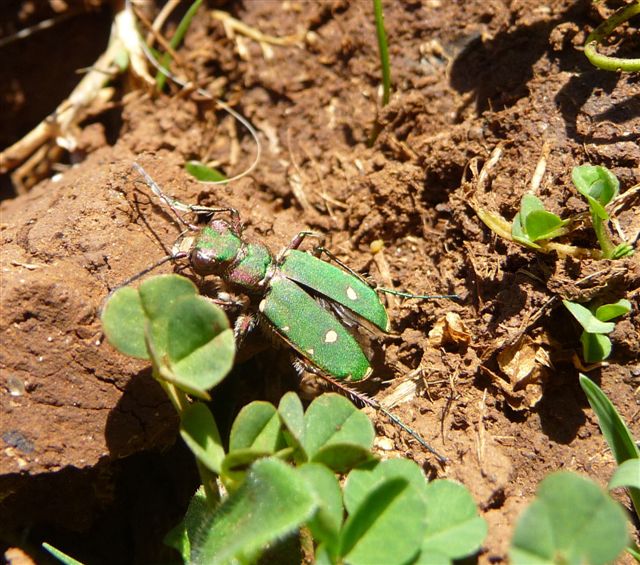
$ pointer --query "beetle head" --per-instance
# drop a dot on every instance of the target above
(215, 248)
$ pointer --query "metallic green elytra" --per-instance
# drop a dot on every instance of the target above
(336, 284)
(313, 331)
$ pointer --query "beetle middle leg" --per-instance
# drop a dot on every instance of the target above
(377, 288)
(318, 250)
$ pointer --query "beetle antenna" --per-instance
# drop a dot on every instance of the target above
(365, 400)
(174, 205)
(146, 270)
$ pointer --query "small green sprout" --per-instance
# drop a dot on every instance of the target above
(534, 223)
(596, 346)
(60, 556)
(605, 62)
(383, 50)
(600, 186)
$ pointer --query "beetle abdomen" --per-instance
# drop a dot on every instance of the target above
(312, 331)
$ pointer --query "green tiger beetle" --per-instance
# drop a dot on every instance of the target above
(310, 304)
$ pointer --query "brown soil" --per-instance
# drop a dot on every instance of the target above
(88, 460)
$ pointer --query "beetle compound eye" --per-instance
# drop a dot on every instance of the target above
(215, 248)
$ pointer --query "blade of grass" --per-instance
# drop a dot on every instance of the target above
(383, 50)
(178, 36)
(614, 430)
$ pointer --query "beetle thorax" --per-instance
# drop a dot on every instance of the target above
(250, 270)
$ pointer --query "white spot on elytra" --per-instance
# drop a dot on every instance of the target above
(330, 337)
(262, 305)
(285, 328)
(351, 293)
(310, 351)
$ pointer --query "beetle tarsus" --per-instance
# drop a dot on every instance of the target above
(365, 400)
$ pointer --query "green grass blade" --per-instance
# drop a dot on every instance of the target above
(613, 429)
(383, 49)
(634, 551)
(177, 38)
(60, 556)
(627, 475)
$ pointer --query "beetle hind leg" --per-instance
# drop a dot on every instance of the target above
(361, 399)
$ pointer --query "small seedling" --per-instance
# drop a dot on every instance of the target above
(600, 186)
(533, 223)
(596, 346)
(596, 37)
(308, 303)
(383, 52)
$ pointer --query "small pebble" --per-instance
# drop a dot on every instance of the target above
(385, 444)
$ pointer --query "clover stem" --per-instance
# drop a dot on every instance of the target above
(178, 398)
(210, 484)
(181, 402)
(603, 237)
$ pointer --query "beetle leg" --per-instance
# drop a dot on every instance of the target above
(176, 206)
(244, 324)
(372, 284)
(299, 238)
(365, 400)
(236, 224)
